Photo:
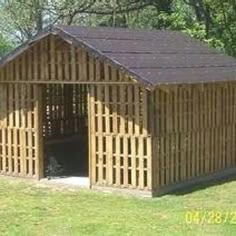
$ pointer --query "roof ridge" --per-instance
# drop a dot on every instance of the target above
(117, 28)
(190, 50)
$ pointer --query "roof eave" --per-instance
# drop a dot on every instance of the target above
(23, 47)
(70, 39)
(101, 56)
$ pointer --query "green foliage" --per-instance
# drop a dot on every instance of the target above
(224, 28)
(212, 21)
(23, 18)
(5, 46)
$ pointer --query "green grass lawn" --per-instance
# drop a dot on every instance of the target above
(27, 208)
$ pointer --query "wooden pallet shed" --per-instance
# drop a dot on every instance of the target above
(156, 109)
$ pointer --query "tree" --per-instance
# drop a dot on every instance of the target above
(24, 18)
(212, 21)
(5, 46)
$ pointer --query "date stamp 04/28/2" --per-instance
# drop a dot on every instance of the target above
(210, 217)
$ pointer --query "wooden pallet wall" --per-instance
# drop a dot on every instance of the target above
(20, 132)
(120, 141)
(119, 132)
(54, 60)
(65, 110)
(194, 132)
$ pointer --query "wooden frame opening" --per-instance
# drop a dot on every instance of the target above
(65, 130)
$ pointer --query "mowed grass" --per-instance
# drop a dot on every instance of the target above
(27, 208)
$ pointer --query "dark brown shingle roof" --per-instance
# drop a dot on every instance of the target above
(153, 57)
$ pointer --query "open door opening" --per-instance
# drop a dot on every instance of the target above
(65, 131)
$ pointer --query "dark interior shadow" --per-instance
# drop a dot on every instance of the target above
(67, 160)
(66, 131)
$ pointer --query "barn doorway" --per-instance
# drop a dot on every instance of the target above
(65, 131)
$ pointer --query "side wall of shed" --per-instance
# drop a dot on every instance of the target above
(194, 132)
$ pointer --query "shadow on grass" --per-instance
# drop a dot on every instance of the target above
(203, 185)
